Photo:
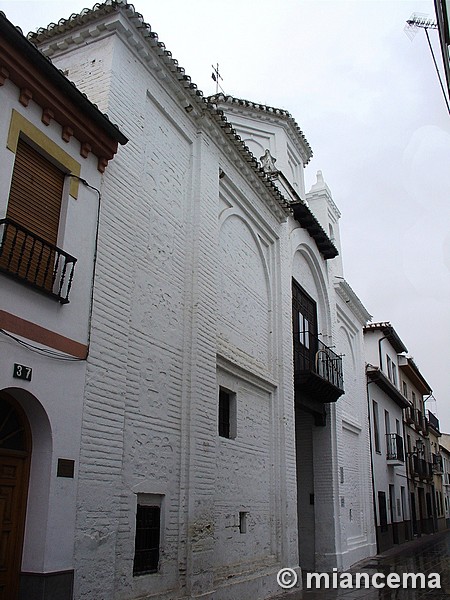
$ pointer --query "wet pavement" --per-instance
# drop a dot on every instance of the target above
(428, 554)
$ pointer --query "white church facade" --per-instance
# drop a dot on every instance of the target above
(222, 432)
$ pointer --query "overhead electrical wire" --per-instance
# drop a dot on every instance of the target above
(44, 351)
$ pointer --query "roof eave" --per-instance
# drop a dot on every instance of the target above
(389, 333)
(20, 43)
(307, 220)
(379, 378)
(408, 366)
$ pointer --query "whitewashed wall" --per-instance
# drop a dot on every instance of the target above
(53, 399)
(188, 280)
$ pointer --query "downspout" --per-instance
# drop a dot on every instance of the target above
(94, 266)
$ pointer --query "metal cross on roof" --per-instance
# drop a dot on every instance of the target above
(215, 75)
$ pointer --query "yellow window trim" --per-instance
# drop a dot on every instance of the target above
(20, 125)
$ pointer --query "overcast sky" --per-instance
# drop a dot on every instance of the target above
(368, 100)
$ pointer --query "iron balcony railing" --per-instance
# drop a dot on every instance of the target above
(329, 365)
(320, 360)
(433, 421)
(394, 444)
(28, 258)
(422, 468)
(421, 422)
(409, 414)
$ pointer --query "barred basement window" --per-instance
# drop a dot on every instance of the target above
(146, 552)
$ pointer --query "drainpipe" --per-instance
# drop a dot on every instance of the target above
(94, 267)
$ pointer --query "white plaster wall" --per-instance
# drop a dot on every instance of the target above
(244, 296)
(249, 486)
(53, 403)
(53, 399)
(89, 69)
(150, 420)
(372, 353)
(355, 483)
(76, 235)
(385, 474)
(137, 397)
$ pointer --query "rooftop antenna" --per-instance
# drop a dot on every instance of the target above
(421, 21)
(215, 75)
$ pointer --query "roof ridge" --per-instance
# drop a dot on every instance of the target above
(206, 103)
(78, 18)
(279, 112)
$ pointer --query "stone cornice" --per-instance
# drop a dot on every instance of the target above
(345, 292)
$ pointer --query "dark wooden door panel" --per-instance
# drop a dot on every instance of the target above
(12, 508)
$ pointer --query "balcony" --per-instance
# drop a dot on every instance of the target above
(409, 415)
(421, 422)
(437, 464)
(427, 469)
(31, 260)
(421, 468)
(433, 421)
(318, 371)
(395, 454)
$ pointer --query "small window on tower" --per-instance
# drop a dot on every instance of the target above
(227, 413)
(147, 539)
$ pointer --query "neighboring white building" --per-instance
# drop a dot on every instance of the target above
(224, 429)
(434, 435)
(445, 453)
(386, 404)
(420, 455)
(54, 148)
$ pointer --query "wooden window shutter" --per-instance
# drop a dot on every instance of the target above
(35, 205)
(36, 193)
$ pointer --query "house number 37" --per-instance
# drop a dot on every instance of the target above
(22, 372)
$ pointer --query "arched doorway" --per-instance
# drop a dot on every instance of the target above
(15, 453)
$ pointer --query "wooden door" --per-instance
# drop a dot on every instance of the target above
(14, 468)
(12, 492)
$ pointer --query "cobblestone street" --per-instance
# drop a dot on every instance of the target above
(429, 554)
